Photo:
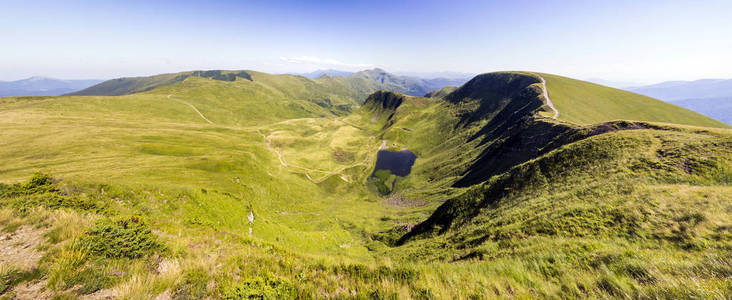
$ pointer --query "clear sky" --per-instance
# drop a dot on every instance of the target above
(640, 41)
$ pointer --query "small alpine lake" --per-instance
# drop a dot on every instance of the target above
(397, 162)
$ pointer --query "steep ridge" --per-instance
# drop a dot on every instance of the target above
(583, 102)
(595, 166)
(548, 99)
(383, 106)
(481, 129)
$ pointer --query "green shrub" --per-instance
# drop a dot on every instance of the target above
(38, 183)
(54, 201)
(127, 237)
(262, 287)
(41, 190)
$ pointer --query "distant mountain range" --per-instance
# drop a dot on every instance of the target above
(43, 86)
(710, 97)
(618, 84)
(413, 86)
(429, 75)
(422, 75)
(680, 90)
(360, 83)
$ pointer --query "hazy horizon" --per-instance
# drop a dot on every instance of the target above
(622, 41)
(620, 84)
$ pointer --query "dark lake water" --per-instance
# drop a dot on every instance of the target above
(399, 162)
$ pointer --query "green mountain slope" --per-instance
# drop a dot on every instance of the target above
(356, 85)
(132, 85)
(264, 97)
(609, 215)
(583, 102)
(260, 186)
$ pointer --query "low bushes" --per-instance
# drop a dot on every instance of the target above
(121, 237)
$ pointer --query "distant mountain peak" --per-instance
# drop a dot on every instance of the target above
(374, 71)
(680, 90)
(326, 72)
(39, 78)
(43, 86)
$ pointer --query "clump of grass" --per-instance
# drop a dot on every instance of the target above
(193, 285)
(343, 156)
(73, 267)
(10, 277)
(66, 264)
(421, 293)
(121, 237)
(363, 273)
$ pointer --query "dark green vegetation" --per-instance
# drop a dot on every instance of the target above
(250, 185)
(121, 237)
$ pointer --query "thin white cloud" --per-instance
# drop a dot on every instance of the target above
(323, 62)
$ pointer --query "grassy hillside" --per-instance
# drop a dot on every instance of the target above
(130, 85)
(582, 102)
(613, 215)
(259, 187)
(441, 93)
(195, 183)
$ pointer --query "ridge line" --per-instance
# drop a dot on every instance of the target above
(546, 96)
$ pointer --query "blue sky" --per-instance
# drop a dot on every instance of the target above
(639, 41)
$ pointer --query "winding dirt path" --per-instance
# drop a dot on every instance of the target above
(194, 108)
(548, 100)
(20, 247)
(304, 170)
(269, 146)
